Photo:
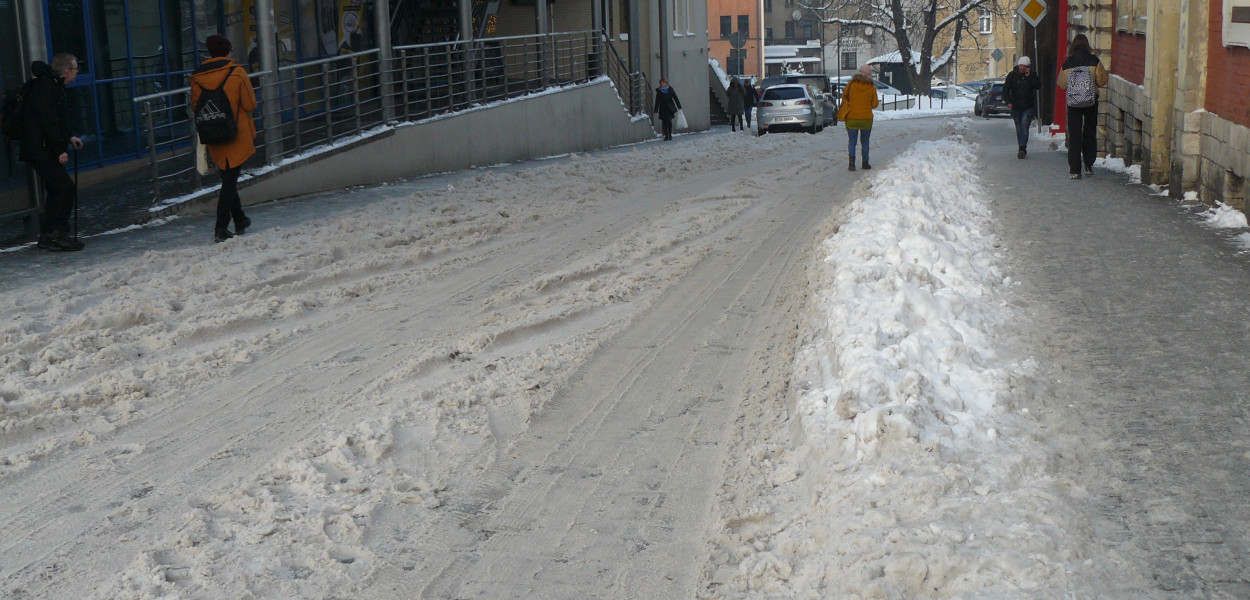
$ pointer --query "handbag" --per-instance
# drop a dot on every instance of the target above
(679, 122)
(201, 157)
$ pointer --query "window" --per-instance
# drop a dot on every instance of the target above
(849, 61)
(744, 25)
(849, 30)
(768, 35)
(768, 5)
(1130, 15)
(807, 30)
(789, 30)
(987, 22)
(726, 26)
(1236, 30)
(1015, 24)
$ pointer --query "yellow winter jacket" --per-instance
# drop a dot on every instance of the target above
(859, 99)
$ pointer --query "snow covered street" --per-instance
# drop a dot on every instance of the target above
(719, 367)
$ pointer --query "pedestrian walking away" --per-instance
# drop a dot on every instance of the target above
(221, 73)
(1020, 91)
(858, 100)
(45, 141)
(666, 106)
(749, 100)
(736, 96)
(1080, 79)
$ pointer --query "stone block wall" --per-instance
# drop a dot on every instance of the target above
(1128, 121)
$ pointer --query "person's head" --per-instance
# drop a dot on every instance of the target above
(1025, 64)
(1080, 44)
(865, 70)
(65, 66)
(218, 46)
(735, 81)
(663, 82)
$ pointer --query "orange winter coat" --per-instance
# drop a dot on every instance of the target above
(858, 100)
(211, 74)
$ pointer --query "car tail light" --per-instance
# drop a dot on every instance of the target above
(804, 102)
(766, 103)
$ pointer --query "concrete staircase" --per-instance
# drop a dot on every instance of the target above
(717, 112)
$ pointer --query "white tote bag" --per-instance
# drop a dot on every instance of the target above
(201, 156)
(679, 122)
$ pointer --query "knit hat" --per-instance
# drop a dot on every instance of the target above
(1024, 60)
(218, 45)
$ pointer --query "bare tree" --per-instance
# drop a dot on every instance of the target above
(916, 26)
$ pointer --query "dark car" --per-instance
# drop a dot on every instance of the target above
(990, 101)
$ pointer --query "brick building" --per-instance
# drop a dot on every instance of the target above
(1179, 98)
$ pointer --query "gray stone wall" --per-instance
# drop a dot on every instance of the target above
(1224, 161)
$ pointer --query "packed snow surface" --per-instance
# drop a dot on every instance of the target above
(720, 367)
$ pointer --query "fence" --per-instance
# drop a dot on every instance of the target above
(325, 101)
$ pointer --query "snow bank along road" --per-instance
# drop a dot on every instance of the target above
(719, 367)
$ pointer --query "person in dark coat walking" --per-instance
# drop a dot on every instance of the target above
(44, 146)
(666, 106)
(1020, 91)
(735, 94)
(1082, 120)
(749, 101)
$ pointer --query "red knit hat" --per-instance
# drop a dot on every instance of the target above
(218, 45)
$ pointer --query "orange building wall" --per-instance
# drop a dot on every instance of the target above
(719, 47)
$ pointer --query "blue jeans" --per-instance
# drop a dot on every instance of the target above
(1023, 119)
(856, 134)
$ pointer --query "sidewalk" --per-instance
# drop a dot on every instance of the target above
(1141, 310)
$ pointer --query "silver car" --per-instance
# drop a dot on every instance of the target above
(788, 106)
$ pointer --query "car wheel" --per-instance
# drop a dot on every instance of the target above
(976, 109)
(763, 130)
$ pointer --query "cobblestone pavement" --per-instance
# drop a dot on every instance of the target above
(1141, 312)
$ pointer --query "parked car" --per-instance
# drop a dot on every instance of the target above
(977, 85)
(942, 92)
(883, 89)
(819, 86)
(990, 101)
(788, 106)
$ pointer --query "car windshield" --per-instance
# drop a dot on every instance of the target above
(997, 88)
(785, 93)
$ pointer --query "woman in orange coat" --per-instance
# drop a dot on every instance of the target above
(858, 100)
(221, 71)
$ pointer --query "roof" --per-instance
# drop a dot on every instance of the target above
(792, 60)
(896, 58)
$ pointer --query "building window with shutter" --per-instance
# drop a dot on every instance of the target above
(726, 26)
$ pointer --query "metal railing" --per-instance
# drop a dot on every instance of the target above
(325, 101)
(634, 89)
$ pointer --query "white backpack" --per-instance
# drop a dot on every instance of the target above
(1081, 92)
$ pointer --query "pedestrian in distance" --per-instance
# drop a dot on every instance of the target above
(666, 106)
(858, 100)
(1020, 90)
(45, 140)
(749, 101)
(1080, 79)
(736, 96)
(220, 72)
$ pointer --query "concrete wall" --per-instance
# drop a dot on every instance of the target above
(586, 117)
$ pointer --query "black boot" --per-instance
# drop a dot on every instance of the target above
(866, 166)
(851, 166)
(221, 235)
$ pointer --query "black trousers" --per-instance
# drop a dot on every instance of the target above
(1082, 138)
(666, 126)
(60, 197)
(228, 203)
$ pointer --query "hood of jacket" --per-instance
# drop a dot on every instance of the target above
(42, 70)
(860, 77)
(212, 72)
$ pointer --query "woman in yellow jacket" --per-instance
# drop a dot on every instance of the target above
(221, 71)
(858, 100)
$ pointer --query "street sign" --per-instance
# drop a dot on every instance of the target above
(997, 54)
(738, 40)
(1032, 11)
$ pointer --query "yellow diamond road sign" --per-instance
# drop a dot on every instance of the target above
(1032, 11)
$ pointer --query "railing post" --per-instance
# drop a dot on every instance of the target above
(156, 170)
(403, 65)
(271, 88)
(298, 121)
(429, 80)
(382, 25)
(325, 97)
(356, 89)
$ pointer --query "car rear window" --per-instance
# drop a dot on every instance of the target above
(784, 94)
(996, 88)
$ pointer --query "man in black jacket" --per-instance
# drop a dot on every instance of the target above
(1020, 93)
(44, 146)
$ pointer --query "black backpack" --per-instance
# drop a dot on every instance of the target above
(11, 113)
(214, 117)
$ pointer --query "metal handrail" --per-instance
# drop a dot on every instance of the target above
(325, 100)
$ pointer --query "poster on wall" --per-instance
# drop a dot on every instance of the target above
(351, 26)
(328, 26)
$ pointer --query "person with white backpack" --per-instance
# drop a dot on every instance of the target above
(1080, 78)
